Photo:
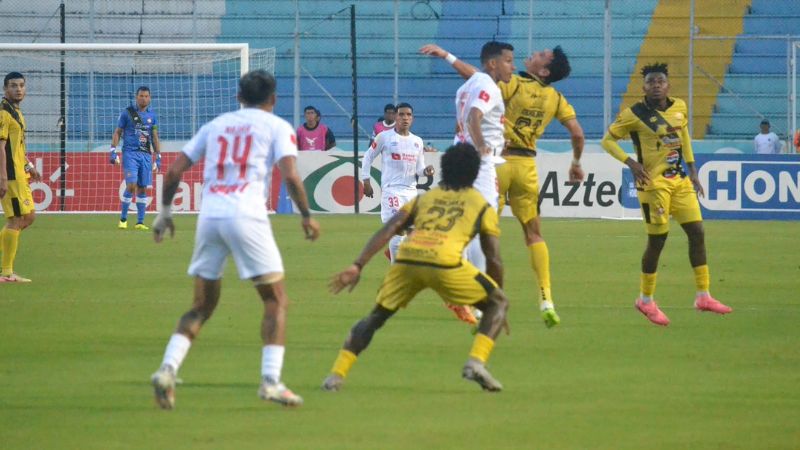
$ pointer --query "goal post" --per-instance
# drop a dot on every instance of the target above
(77, 92)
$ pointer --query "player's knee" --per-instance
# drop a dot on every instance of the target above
(656, 241)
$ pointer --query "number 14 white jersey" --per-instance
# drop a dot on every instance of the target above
(239, 149)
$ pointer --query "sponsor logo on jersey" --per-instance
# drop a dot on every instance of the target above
(673, 157)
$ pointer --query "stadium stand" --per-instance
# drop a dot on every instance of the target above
(755, 83)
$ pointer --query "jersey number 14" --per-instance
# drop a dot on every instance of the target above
(238, 155)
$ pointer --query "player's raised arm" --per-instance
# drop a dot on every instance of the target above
(466, 70)
(288, 166)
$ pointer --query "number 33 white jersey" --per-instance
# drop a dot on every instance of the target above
(239, 149)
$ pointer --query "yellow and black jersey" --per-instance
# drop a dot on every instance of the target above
(444, 222)
(12, 130)
(530, 106)
(660, 138)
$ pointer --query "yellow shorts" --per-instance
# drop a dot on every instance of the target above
(678, 200)
(518, 184)
(18, 201)
(463, 285)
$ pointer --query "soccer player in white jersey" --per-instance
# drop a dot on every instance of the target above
(402, 160)
(238, 149)
(479, 116)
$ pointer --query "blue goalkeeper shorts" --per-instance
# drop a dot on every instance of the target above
(138, 168)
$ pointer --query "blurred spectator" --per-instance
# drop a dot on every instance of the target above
(766, 142)
(386, 122)
(313, 135)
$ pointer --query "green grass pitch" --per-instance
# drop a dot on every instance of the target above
(77, 347)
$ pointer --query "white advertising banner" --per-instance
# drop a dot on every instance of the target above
(329, 180)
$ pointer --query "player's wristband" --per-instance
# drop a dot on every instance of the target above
(576, 162)
(359, 265)
(450, 58)
(305, 214)
(113, 149)
(28, 166)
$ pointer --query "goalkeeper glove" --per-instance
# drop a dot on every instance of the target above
(113, 156)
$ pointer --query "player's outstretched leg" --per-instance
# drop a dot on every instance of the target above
(358, 340)
(163, 381)
(494, 319)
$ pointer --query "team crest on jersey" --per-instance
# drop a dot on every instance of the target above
(396, 156)
(484, 96)
(26, 202)
(149, 120)
(660, 211)
(678, 116)
(654, 119)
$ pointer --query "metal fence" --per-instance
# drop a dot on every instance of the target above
(729, 59)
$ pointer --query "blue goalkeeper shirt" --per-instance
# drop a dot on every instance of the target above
(137, 134)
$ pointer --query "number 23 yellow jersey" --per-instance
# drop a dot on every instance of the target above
(444, 222)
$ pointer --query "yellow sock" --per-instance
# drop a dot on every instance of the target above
(10, 241)
(344, 362)
(648, 284)
(481, 347)
(701, 278)
(540, 261)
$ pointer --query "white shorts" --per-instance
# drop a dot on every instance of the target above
(393, 200)
(248, 240)
(486, 183)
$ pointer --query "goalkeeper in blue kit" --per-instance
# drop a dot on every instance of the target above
(138, 127)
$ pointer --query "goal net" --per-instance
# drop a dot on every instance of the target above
(76, 93)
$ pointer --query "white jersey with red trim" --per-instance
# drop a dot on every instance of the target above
(239, 149)
(402, 160)
(480, 91)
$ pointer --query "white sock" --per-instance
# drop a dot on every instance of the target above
(177, 348)
(701, 293)
(645, 298)
(272, 362)
(394, 244)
